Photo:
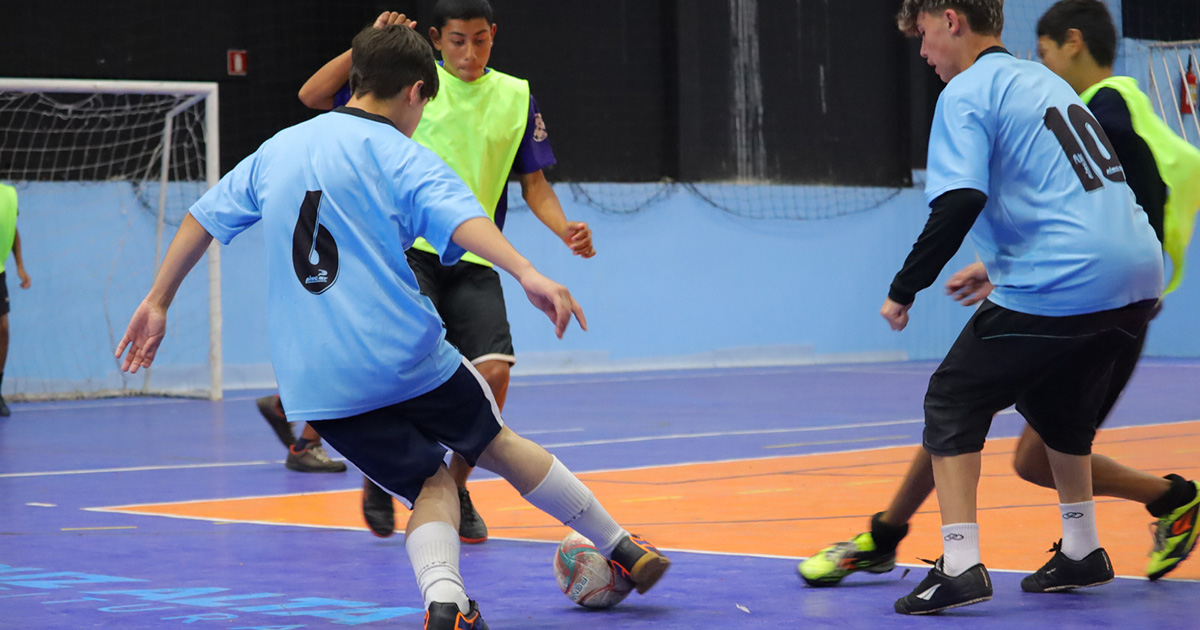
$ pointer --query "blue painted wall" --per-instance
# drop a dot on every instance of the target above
(678, 284)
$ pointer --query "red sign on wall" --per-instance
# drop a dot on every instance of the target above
(236, 63)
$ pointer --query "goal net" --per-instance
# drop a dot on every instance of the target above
(105, 171)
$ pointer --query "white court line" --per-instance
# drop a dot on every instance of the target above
(711, 434)
(650, 438)
(53, 473)
(400, 536)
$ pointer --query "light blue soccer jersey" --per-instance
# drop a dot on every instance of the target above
(1061, 233)
(341, 197)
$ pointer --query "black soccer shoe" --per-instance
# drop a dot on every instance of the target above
(448, 617)
(471, 528)
(939, 591)
(378, 510)
(1064, 574)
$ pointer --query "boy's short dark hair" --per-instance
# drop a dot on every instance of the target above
(1091, 18)
(446, 10)
(985, 17)
(387, 60)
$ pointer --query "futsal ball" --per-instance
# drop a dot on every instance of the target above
(586, 577)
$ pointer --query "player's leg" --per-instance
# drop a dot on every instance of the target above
(549, 486)
(4, 411)
(1170, 500)
(390, 448)
(1064, 406)
(874, 550)
(471, 303)
(981, 374)
(482, 439)
(305, 454)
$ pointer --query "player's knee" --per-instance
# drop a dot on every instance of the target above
(496, 373)
(948, 433)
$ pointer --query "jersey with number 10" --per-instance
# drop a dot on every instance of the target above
(341, 197)
(1061, 233)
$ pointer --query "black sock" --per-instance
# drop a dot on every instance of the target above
(301, 444)
(887, 537)
(1, 381)
(1180, 493)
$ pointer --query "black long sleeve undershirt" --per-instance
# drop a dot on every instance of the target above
(950, 218)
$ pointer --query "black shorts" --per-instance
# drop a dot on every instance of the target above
(3, 293)
(1060, 372)
(470, 301)
(400, 446)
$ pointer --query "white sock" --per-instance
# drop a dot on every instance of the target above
(960, 542)
(564, 497)
(433, 551)
(1079, 529)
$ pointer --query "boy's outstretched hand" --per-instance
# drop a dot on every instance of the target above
(554, 300)
(146, 330)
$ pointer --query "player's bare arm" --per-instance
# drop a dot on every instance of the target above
(318, 91)
(544, 203)
(149, 322)
(16, 252)
(481, 236)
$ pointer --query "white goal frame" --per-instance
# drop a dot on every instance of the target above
(209, 93)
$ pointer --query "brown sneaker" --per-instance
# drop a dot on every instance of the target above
(312, 459)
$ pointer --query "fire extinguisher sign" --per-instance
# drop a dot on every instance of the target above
(235, 63)
(1187, 96)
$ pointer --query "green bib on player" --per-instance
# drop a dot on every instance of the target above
(8, 221)
(476, 128)
(1178, 165)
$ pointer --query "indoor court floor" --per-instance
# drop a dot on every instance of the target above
(164, 513)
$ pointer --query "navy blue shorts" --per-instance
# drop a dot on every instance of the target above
(1062, 373)
(400, 446)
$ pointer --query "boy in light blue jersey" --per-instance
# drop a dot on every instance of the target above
(356, 348)
(1077, 40)
(1018, 161)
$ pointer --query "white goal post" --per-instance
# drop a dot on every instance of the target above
(101, 167)
(1170, 63)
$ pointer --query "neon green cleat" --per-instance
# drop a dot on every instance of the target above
(1174, 538)
(828, 566)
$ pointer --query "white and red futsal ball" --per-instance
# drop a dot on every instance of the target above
(586, 577)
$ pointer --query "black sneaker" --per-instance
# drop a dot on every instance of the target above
(640, 561)
(448, 617)
(471, 528)
(939, 591)
(379, 511)
(4, 411)
(272, 411)
(1064, 574)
